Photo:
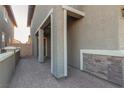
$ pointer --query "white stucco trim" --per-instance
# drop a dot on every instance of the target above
(48, 15)
(81, 13)
(81, 59)
(41, 46)
(51, 18)
(65, 42)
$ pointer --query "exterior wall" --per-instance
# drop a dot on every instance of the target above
(36, 21)
(121, 29)
(26, 49)
(7, 67)
(6, 26)
(8, 62)
(9, 31)
(58, 48)
(78, 7)
(1, 29)
(97, 30)
(39, 14)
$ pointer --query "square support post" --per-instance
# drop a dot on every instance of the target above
(41, 46)
(65, 43)
(59, 43)
(35, 45)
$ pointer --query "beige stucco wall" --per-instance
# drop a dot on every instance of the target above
(8, 63)
(38, 17)
(40, 14)
(121, 28)
(58, 55)
(97, 30)
(9, 32)
(7, 68)
(6, 27)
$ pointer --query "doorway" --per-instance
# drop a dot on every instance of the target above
(70, 16)
(47, 42)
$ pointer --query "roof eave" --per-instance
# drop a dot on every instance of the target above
(31, 9)
(10, 14)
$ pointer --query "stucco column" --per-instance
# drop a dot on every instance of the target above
(6, 39)
(59, 43)
(34, 45)
(41, 46)
(0, 40)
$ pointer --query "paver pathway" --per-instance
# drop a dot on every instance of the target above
(31, 74)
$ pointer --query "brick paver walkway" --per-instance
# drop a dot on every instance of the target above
(31, 74)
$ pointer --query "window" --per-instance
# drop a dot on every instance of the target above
(6, 20)
(3, 37)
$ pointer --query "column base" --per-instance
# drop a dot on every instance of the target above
(40, 61)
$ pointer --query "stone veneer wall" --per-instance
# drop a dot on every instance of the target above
(107, 67)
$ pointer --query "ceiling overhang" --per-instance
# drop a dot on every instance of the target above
(31, 9)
